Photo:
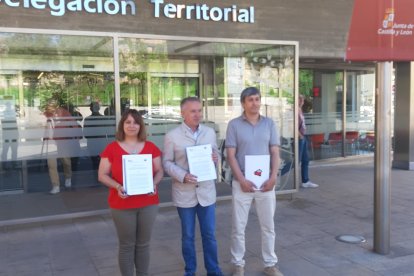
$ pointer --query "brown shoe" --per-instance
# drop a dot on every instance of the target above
(272, 271)
(238, 270)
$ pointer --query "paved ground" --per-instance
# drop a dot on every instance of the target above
(306, 229)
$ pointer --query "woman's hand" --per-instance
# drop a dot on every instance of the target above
(104, 176)
(155, 187)
(121, 191)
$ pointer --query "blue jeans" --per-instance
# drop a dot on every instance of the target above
(207, 221)
(304, 159)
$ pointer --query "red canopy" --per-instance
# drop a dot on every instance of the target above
(381, 30)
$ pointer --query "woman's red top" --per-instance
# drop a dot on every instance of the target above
(114, 154)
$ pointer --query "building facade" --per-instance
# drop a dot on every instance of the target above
(69, 68)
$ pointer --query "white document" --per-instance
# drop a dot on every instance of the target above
(137, 172)
(257, 169)
(200, 162)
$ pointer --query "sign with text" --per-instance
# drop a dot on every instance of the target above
(203, 12)
(381, 30)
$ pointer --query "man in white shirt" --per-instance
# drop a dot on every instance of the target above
(191, 197)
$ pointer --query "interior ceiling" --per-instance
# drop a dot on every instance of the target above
(41, 44)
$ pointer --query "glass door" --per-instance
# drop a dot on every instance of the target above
(10, 110)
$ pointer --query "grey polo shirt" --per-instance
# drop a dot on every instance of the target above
(251, 139)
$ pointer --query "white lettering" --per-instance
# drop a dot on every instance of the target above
(99, 7)
(386, 31)
(188, 12)
(198, 12)
(157, 4)
(59, 9)
(124, 6)
(180, 9)
(216, 14)
(203, 12)
(170, 10)
(399, 26)
(12, 4)
(204, 9)
(243, 16)
(75, 5)
(114, 4)
(394, 32)
(88, 7)
(406, 32)
(39, 4)
(227, 11)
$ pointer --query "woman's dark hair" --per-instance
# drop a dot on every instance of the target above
(142, 134)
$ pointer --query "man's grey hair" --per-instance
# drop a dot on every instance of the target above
(189, 99)
(249, 91)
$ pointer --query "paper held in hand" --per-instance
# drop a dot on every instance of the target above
(257, 169)
(137, 172)
(200, 162)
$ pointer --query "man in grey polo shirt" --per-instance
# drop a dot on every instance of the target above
(252, 134)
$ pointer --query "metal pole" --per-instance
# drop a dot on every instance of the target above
(382, 163)
(117, 80)
(344, 91)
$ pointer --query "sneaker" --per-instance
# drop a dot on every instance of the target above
(309, 185)
(68, 183)
(238, 271)
(272, 271)
(54, 190)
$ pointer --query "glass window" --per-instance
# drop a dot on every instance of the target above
(157, 74)
(323, 91)
(53, 90)
(360, 113)
(57, 107)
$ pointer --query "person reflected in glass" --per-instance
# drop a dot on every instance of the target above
(133, 216)
(303, 148)
(78, 117)
(191, 197)
(110, 110)
(10, 135)
(92, 131)
(64, 131)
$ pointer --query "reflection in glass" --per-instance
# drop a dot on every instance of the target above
(323, 91)
(157, 74)
(49, 82)
(57, 104)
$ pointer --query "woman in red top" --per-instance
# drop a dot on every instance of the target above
(134, 215)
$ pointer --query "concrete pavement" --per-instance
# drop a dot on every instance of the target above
(306, 228)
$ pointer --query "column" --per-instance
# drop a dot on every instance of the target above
(404, 117)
